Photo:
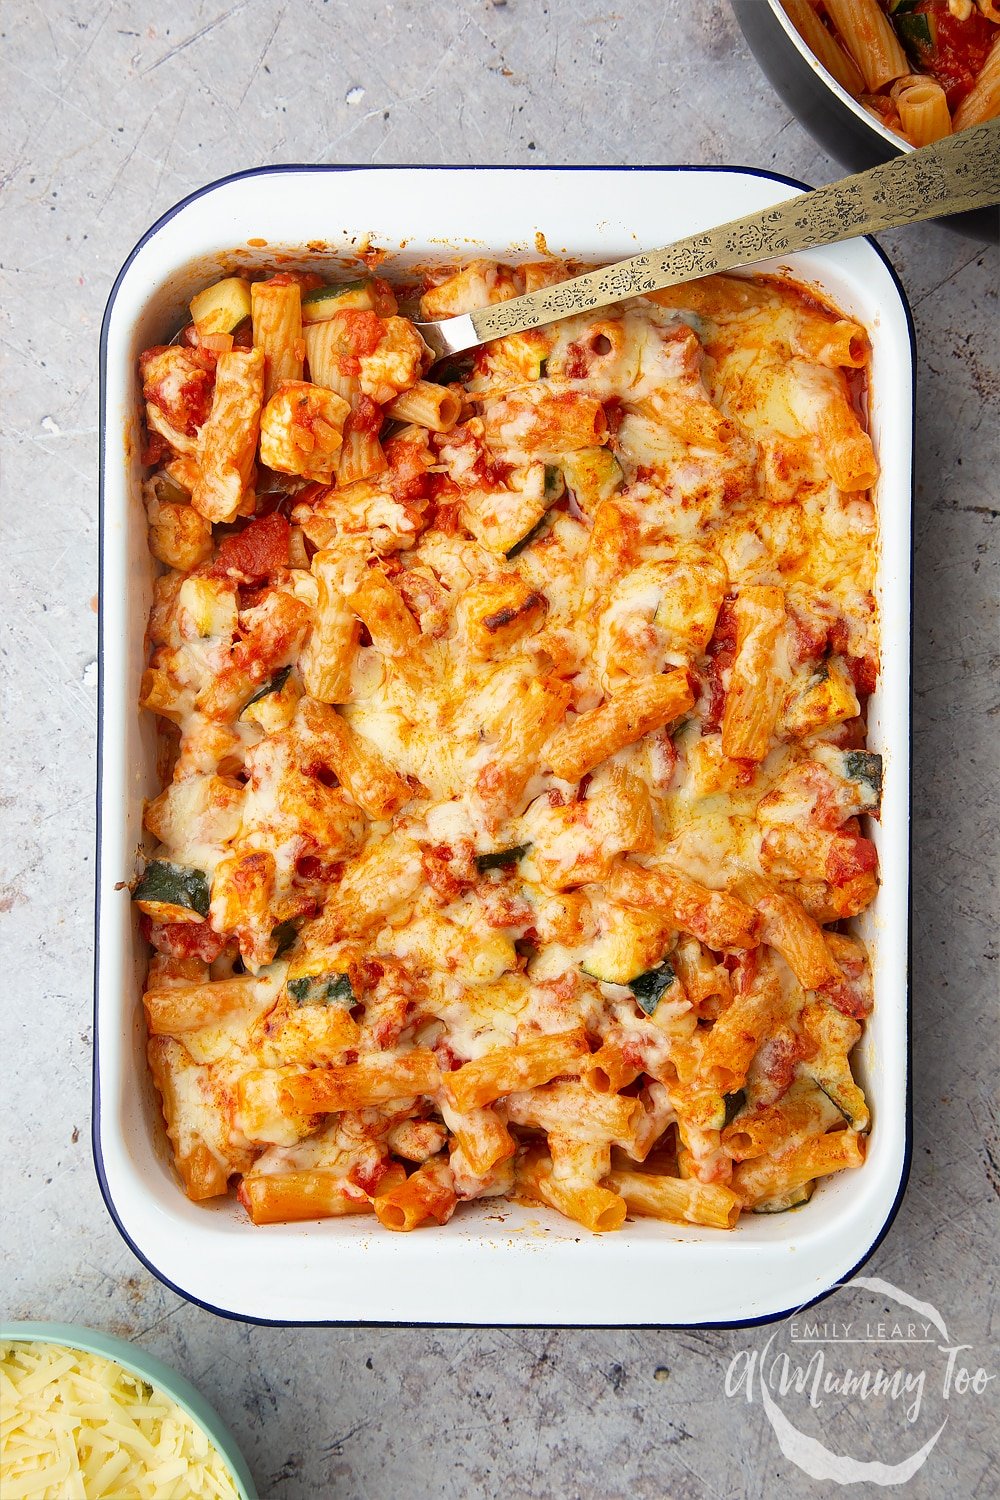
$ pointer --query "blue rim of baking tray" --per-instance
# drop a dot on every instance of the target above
(154, 1372)
(238, 1317)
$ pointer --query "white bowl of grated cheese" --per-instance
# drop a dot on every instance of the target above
(84, 1416)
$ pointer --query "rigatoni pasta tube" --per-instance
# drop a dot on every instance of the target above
(189, 1007)
(365, 1082)
(329, 653)
(200, 1167)
(923, 109)
(276, 311)
(596, 1207)
(227, 444)
(611, 1068)
(837, 342)
(982, 102)
(326, 350)
(361, 454)
(287, 1197)
(509, 1069)
(677, 1199)
(640, 706)
(719, 919)
(755, 688)
(377, 788)
(870, 39)
(428, 1193)
(428, 405)
(481, 1135)
(768, 1177)
(789, 928)
(728, 1048)
(824, 46)
(570, 1109)
(380, 605)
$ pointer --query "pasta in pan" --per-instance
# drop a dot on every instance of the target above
(922, 67)
(513, 728)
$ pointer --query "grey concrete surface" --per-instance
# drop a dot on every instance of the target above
(112, 112)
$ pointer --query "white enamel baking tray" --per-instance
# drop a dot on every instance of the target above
(488, 1266)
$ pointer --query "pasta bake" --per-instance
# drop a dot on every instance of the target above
(513, 750)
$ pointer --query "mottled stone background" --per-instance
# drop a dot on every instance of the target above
(112, 112)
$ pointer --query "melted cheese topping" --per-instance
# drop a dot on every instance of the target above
(653, 493)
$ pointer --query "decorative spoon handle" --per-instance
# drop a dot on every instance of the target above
(957, 173)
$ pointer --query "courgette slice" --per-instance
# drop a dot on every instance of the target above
(735, 1104)
(275, 685)
(650, 988)
(844, 1095)
(555, 484)
(221, 308)
(785, 1201)
(630, 945)
(499, 859)
(594, 475)
(181, 888)
(322, 989)
(285, 935)
(344, 296)
(865, 766)
(529, 537)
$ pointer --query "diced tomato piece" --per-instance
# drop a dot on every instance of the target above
(385, 299)
(312, 867)
(366, 416)
(958, 49)
(851, 854)
(408, 476)
(154, 448)
(578, 360)
(614, 415)
(257, 551)
(187, 940)
(778, 1058)
(721, 654)
(850, 998)
(363, 331)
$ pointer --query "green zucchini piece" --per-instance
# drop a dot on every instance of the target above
(866, 766)
(529, 537)
(498, 859)
(845, 1096)
(650, 988)
(275, 685)
(594, 475)
(322, 989)
(174, 885)
(321, 304)
(785, 1201)
(454, 371)
(917, 30)
(735, 1104)
(555, 484)
(221, 308)
(285, 935)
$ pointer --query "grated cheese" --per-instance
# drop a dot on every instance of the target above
(76, 1426)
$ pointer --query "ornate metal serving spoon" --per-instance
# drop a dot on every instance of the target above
(957, 173)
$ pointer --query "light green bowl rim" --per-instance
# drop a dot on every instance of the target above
(149, 1368)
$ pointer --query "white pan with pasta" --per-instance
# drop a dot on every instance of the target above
(555, 1064)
